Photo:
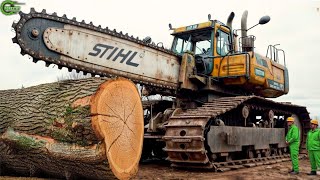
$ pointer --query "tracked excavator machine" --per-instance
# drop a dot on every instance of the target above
(218, 113)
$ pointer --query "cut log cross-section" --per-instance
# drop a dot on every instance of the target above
(90, 128)
(116, 107)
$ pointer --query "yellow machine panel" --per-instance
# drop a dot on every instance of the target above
(250, 72)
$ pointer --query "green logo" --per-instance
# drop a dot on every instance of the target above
(9, 7)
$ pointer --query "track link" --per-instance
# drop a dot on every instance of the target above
(186, 132)
(185, 142)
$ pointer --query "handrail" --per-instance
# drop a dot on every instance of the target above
(284, 56)
(274, 54)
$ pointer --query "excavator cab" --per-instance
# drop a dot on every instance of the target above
(211, 50)
(196, 42)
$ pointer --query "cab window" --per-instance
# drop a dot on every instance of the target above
(197, 41)
(181, 45)
(204, 47)
(223, 45)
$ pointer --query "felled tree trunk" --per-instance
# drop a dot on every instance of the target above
(89, 128)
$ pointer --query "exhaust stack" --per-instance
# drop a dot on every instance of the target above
(229, 24)
(244, 23)
(247, 42)
(230, 19)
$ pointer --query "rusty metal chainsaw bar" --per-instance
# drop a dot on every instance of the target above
(93, 69)
(186, 132)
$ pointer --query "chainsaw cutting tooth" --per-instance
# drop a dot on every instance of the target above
(14, 25)
(47, 64)
(32, 10)
(22, 52)
(15, 40)
(35, 60)
(21, 14)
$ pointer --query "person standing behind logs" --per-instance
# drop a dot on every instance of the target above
(293, 140)
(313, 147)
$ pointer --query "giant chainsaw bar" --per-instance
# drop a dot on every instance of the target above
(99, 51)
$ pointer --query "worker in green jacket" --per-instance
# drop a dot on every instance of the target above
(313, 147)
(293, 140)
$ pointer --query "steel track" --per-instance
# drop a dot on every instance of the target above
(189, 128)
(247, 163)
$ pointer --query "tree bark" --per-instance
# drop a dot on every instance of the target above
(89, 128)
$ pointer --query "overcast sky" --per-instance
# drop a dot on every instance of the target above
(295, 25)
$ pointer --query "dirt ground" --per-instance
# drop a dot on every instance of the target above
(159, 171)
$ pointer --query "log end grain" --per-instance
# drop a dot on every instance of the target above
(117, 119)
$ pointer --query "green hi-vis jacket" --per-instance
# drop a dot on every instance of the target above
(293, 135)
(313, 140)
